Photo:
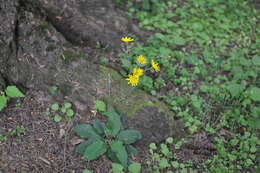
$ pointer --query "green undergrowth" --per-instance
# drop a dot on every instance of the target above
(209, 55)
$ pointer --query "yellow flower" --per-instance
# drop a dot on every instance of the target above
(141, 59)
(138, 72)
(132, 79)
(127, 39)
(155, 66)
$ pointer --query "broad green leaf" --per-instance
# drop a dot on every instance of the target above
(54, 107)
(13, 91)
(131, 150)
(235, 89)
(86, 131)
(3, 102)
(112, 155)
(95, 150)
(114, 122)
(129, 136)
(117, 168)
(100, 105)
(99, 127)
(118, 148)
(82, 146)
(255, 94)
(57, 118)
(135, 168)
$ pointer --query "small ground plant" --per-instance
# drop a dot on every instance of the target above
(208, 54)
(107, 138)
(7, 94)
(58, 111)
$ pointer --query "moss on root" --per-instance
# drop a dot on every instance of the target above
(125, 98)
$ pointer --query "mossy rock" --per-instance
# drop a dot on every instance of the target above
(144, 112)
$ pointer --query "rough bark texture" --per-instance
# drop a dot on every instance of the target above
(39, 40)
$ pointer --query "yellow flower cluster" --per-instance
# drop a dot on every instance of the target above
(133, 78)
(127, 39)
(155, 66)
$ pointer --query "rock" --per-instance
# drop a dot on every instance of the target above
(43, 56)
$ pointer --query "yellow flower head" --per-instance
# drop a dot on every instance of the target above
(127, 39)
(141, 59)
(155, 66)
(138, 72)
(132, 79)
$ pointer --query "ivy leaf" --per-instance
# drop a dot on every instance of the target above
(95, 150)
(129, 136)
(13, 91)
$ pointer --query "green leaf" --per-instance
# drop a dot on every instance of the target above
(70, 113)
(13, 91)
(179, 41)
(67, 105)
(114, 122)
(135, 168)
(63, 109)
(118, 148)
(169, 140)
(99, 127)
(57, 118)
(86, 131)
(256, 60)
(164, 163)
(235, 89)
(152, 146)
(112, 156)
(82, 146)
(129, 136)
(95, 150)
(126, 63)
(87, 171)
(3, 102)
(54, 107)
(53, 90)
(117, 168)
(255, 94)
(100, 105)
(131, 150)
(175, 164)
